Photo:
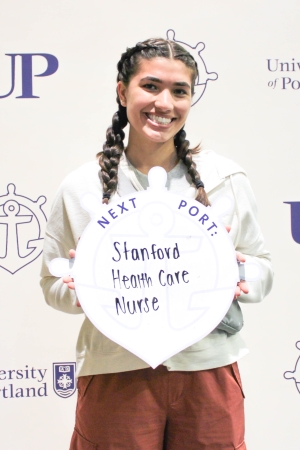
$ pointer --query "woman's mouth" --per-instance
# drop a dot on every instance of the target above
(159, 120)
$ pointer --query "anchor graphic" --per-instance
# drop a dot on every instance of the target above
(18, 211)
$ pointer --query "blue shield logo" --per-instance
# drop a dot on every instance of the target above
(64, 382)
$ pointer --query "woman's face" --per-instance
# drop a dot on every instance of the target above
(158, 99)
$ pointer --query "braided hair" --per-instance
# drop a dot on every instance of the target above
(113, 147)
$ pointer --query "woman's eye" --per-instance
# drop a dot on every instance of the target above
(150, 87)
(180, 92)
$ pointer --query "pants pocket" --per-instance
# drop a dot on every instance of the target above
(78, 442)
(242, 446)
(83, 383)
(237, 377)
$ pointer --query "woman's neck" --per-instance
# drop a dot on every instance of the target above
(145, 155)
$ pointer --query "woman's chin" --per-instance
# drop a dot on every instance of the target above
(159, 136)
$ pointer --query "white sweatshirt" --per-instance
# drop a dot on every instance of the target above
(95, 352)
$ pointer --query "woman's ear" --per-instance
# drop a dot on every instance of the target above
(121, 89)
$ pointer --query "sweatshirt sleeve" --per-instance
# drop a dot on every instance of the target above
(59, 239)
(248, 238)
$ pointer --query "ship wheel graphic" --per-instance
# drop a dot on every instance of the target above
(22, 227)
(204, 76)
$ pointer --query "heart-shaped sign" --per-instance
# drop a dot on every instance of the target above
(154, 271)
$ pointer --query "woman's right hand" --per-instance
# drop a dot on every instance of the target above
(69, 281)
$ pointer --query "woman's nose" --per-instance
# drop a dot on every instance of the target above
(164, 101)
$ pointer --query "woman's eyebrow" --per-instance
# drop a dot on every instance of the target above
(158, 80)
(182, 83)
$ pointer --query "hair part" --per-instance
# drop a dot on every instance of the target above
(113, 147)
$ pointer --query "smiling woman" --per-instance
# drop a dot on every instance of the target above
(194, 400)
(155, 85)
(156, 107)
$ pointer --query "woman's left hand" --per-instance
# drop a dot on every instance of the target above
(242, 286)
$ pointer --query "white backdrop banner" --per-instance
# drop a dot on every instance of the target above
(57, 96)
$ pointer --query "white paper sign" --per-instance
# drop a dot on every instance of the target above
(154, 271)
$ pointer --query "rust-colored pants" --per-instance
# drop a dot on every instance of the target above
(154, 409)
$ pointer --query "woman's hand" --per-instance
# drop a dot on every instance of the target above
(69, 281)
(242, 286)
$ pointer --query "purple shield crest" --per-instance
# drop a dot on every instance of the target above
(64, 382)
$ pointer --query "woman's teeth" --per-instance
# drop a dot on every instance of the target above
(159, 120)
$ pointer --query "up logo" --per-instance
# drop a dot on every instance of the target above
(27, 72)
(204, 75)
(295, 375)
(22, 227)
(295, 220)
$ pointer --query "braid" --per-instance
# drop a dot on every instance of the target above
(113, 148)
(186, 155)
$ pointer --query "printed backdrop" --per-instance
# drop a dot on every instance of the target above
(57, 96)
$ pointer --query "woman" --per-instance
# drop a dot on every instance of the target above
(194, 400)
